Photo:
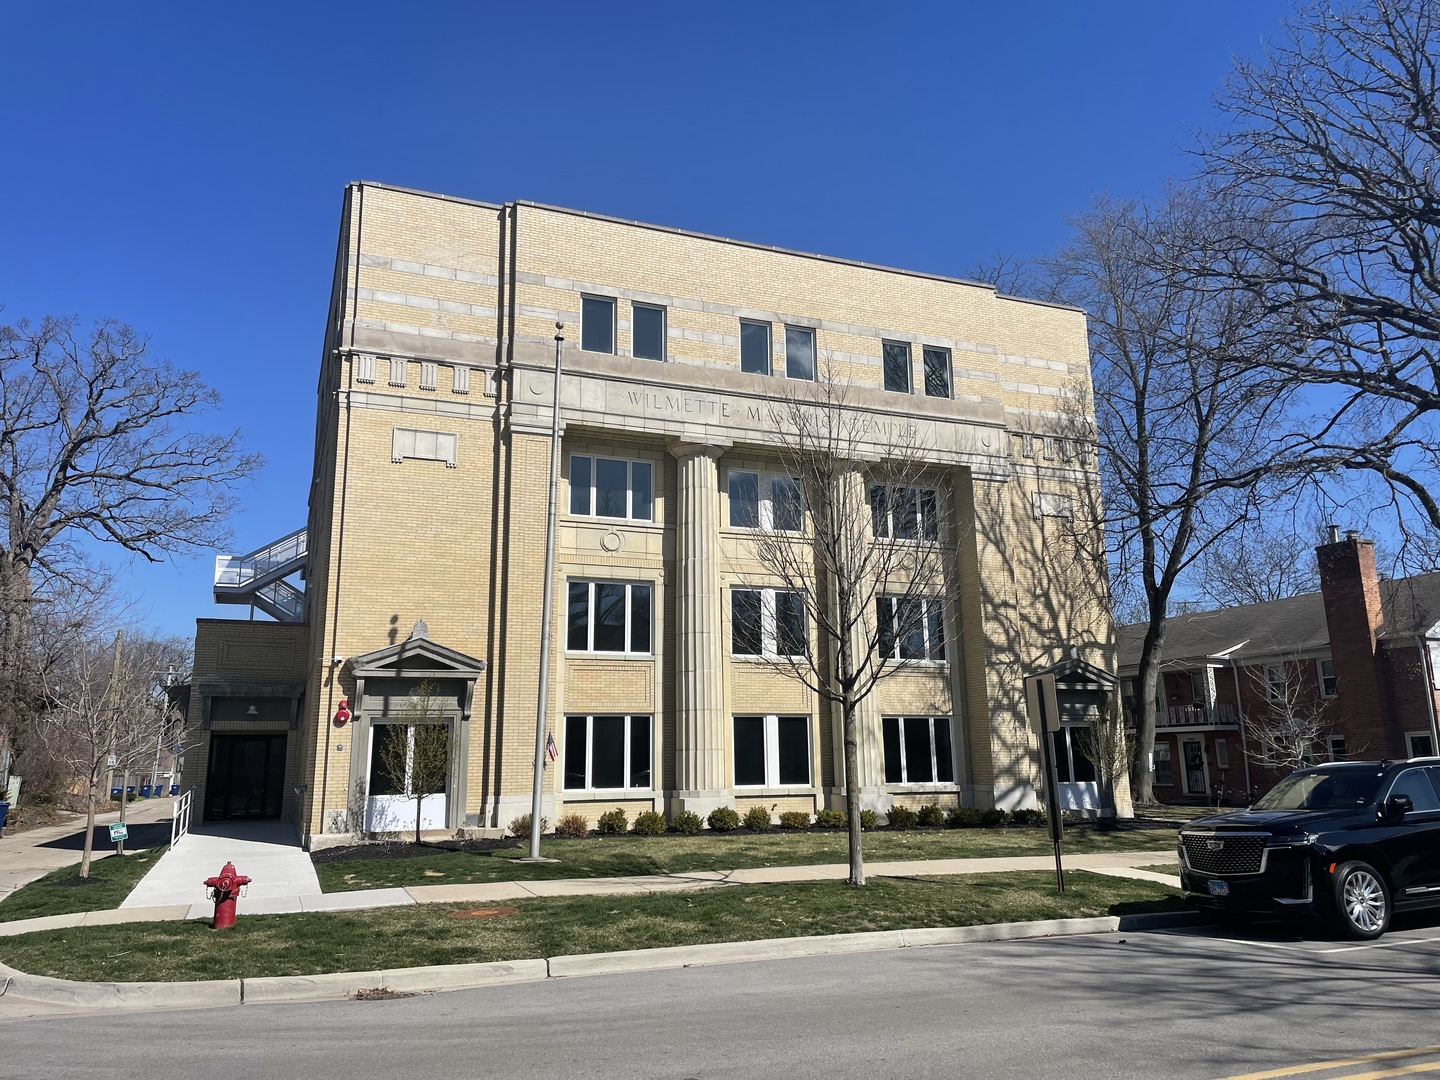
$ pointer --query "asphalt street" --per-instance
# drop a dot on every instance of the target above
(1184, 1003)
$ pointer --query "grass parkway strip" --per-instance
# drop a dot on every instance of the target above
(64, 891)
(311, 944)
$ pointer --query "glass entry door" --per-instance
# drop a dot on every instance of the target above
(246, 776)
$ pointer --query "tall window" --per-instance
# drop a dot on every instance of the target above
(764, 501)
(917, 750)
(904, 513)
(597, 324)
(772, 751)
(897, 366)
(767, 622)
(937, 373)
(647, 331)
(799, 353)
(1328, 682)
(1071, 763)
(1275, 682)
(755, 347)
(608, 617)
(911, 627)
(611, 487)
(606, 752)
(1164, 768)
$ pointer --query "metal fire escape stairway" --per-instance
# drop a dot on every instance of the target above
(259, 578)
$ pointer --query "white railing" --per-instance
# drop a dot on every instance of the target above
(180, 818)
(237, 571)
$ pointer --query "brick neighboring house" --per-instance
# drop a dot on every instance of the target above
(1355, 665)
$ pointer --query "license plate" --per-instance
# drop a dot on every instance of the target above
(1218, 888)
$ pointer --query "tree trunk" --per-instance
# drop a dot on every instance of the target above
(419, 806)
(852, 791)
(89, 847)
(1142, 772)
(124, 799)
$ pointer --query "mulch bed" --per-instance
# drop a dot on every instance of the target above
(405, 849)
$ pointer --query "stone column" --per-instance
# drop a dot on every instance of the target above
(701, 780)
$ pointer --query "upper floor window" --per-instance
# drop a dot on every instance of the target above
(937, 373)
(597, 324)
(647, 331)
(910, 627)
(799, 353)
(904, 513)
(755, 347)
(767, 622)
(611, 487)
(1328, 681)
(1275, 682)
(608, 616)
(917, 750)
(772, 751)
(897, 366)
(764, 501)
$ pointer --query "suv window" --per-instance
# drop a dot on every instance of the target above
(1417, 785)
(1340, 789)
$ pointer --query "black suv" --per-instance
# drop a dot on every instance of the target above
(1349, 841)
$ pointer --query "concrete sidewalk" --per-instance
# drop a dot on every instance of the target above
(32, 854)
(277, 902)
(268, 852)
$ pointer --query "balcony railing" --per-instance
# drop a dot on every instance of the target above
(1189, 716)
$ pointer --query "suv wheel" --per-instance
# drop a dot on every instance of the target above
(1361, 901)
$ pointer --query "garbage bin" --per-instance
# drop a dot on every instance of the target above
(114, 793)
(145, 791)
(174, 789)
(4, 809)
(130, 791)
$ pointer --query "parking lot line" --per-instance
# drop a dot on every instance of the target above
(1344, 1063)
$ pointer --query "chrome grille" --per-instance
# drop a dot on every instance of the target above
(1224, 853)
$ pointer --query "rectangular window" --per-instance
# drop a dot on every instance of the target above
(911, 627)
(1420, 743)
(1328, 682)
(897, 366)
(755, 347)
(763, 501)
(597, 324)
(772, 751)
(799, 353)
(607, 752)
(647, 332)
(1222, 754)
(1275, 682)
(1072, 762)
(611, 487)
(918, 750)
(608, 616)
(1337, 748)
(767, 622)
(904, 513)
(937, 373)
(1164, 771)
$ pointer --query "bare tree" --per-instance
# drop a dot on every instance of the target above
(1292, 729)
(97, 444)
(1331, 161)
(415, 759)
(1183, 417)
(1260, 561)
(853, 548)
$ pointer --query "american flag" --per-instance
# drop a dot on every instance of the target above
(551, 750)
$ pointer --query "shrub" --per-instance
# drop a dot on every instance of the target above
(991, 818)
(902, 817)
(573, 826)
(612, 822)
(520, 826)
(931, 815)
(1028, 817)
(723, 819)
(869, 819)
(687, 822)
(648, 823)
(831, 819)
(757, 819)
(962, 817)
(794, 819)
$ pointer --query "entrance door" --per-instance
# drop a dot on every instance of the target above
(1194, 753)
(407, 761)
(246, 777)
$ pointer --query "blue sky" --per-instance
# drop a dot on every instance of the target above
(180, 166)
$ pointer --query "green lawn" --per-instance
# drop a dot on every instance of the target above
(624, 856)
(1163, 868)
(59, 893)
(427, 934)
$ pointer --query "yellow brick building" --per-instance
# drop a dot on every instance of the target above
(414, 591)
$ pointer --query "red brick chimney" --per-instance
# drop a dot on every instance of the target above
(1350, 588)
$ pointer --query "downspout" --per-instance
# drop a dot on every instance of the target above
(1244, 738)
(1422, 643)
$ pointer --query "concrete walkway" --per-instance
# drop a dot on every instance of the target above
(26, 856)
(268, 852)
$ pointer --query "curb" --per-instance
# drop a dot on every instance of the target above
(344, 985)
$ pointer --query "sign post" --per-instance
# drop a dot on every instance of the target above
(119, 833)
(1045, 711)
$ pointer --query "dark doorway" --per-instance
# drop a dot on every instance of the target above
(246, 778)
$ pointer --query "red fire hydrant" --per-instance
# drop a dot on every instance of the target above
(224, 887)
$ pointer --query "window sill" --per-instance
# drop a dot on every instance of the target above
(605, 794)
(774, 792)
(629, 523)
(922, 789)
(768, 660)
(918, 665)
(572, 655)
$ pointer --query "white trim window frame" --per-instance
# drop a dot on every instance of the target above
(910, 635)
(591, 317)
(900, 734)
(1274, 683)
(586, 491)
(1328, 681)
(603, 613)
(1164, 765)
(756, 614)
(1335, 745)
(778, 770)
(635, 767)
(1411, 737)
(786, 514)
(904, 513)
